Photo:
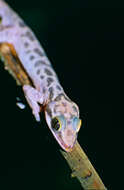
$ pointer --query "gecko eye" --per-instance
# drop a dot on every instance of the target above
(56, 125)
(76, 124)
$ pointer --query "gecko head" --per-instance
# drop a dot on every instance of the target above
(63, 120)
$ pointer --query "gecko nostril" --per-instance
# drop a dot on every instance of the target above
(69, 132)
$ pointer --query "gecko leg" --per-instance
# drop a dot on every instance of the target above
(33, 97)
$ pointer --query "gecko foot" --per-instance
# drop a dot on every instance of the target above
(33, 97)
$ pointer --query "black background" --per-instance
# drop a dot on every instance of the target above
(84, 41)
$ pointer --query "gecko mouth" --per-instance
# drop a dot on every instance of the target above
(66, 147)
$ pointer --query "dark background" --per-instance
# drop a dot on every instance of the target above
(83, 40)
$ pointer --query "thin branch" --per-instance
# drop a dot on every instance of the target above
(81, 167)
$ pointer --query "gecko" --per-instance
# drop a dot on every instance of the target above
(47, 94)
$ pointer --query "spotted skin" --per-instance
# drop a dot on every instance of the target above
(39, 52)
(47, 91)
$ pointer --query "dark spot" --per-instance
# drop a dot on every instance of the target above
(51, 93)
(38, 71)
(42, 77)
(58, 87)
(26, 44)
(30, 35)
(39, 52)
(21, 24)
(39, 63)
(1, 19)
(48, 72)
(31, 57)
(49, 81)
(58, 98)
(48, 111)
(74, 109)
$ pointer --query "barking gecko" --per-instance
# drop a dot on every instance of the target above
(61, 113)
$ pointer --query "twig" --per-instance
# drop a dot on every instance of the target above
(77, 159)
(83, 169)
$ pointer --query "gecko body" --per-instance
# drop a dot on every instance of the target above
(62, 114)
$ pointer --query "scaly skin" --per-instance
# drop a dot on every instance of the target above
(47, 90)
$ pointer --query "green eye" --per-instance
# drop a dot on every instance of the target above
(76, 124)
(56, 125)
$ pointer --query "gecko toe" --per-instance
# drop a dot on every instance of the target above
(37, 116)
